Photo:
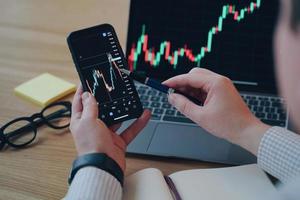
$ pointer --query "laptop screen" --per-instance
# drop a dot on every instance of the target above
(233, 38)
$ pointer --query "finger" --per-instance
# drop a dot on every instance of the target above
(132, 131)
(76, 103)
(186, 107)
(195, 80)
(90, 106)
(115, 127)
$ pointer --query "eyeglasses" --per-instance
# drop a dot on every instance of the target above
(22, 131)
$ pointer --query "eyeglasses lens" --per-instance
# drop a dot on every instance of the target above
(20, 132)
(57, 116)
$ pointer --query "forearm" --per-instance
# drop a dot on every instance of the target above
(92, 183)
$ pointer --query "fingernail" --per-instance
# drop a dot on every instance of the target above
(85, 96)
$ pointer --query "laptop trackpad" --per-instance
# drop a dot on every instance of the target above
(142, 141)
(188, 142)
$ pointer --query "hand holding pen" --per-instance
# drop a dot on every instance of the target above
(157, 85)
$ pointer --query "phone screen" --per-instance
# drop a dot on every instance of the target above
(98, 58)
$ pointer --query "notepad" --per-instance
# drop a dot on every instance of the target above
(246, 182)
(44, 89)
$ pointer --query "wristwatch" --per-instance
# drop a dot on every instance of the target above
(98, 160)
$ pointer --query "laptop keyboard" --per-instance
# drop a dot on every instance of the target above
(268, 109)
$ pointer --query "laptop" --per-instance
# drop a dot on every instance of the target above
(232, 38)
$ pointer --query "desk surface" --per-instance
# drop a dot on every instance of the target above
(32, 41)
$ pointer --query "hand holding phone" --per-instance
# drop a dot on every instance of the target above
(98, 58)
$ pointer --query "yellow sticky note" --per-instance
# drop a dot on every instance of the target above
(44, 89)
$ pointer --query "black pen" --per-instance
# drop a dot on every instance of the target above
(157, 85)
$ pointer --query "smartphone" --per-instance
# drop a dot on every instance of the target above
(98, 57)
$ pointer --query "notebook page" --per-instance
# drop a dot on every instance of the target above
(234, 183)
(147, 184)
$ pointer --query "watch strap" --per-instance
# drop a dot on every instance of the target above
(98, 160)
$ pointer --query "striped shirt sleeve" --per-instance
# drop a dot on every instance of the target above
(279, 153)
(91, 183)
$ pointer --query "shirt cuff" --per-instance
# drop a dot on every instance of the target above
(92, 183)
(279, 153)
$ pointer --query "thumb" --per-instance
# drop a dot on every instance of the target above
(185, 106)
(90, 106)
